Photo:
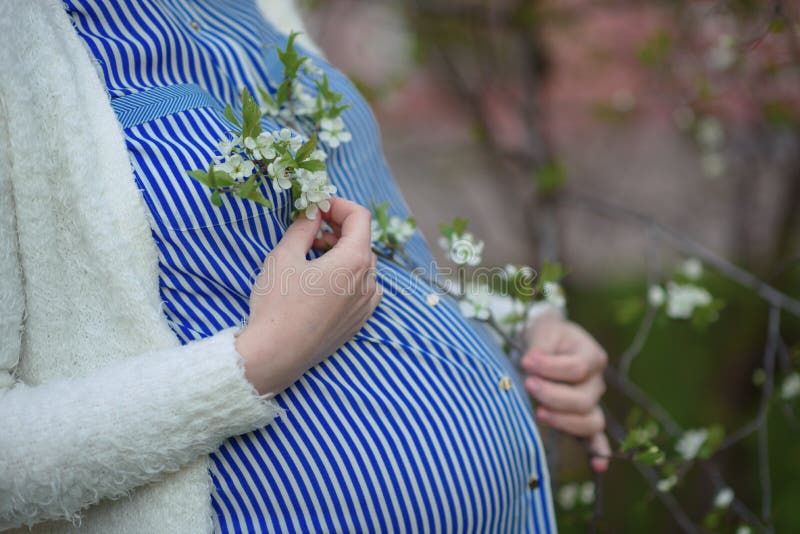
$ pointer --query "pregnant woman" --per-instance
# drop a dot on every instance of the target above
(136, 401)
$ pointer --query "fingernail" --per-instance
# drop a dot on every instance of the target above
(532, 385)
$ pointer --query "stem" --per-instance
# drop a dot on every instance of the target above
(692, 248)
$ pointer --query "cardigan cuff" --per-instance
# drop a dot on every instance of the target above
(224, 395)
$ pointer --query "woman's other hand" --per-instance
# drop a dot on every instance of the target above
(302, 311)
(564, 372)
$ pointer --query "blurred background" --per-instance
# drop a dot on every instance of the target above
(621, 139)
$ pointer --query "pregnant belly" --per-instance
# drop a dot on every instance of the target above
(405, 429)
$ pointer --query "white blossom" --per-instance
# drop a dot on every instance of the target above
(463, 249)
(432, 299)
(376, 232)
(682, 299)
(724, 498)
(238, 167)
(284, 135)
(333, 132)
(692, 268)
(227, 146)
(304, 102)
(282, 175)
(568, 496)
(656, 296)
(666, 484)
(759, 377)
(269, 109)
(511, 271)
(587, 492)
(261, 146)
(315, 191)
(311, 68)
(509, 312)
(476, 302)
(744, 529)
(689, 444)
(710, 133)
(400, 228)
(554, 294)
(713, 164)
(790, 388)
(722, 55)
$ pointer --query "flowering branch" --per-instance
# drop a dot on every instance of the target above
(290, 160)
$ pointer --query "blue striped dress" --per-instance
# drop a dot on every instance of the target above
(407, 427)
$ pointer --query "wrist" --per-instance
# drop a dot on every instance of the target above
(259, 362)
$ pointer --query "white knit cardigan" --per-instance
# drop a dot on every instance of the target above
(105, 420)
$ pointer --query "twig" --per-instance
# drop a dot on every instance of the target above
(773, 296)
(653, 276)
(617, 432)
(770, 353)
(635, 394)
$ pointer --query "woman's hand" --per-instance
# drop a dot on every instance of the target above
(564, 368)
(302, 311)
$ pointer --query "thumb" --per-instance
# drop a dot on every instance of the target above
(545, 334)
(300, 235)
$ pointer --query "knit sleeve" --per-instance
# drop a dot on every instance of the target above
(68, 443)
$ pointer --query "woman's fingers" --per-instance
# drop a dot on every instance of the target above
(600, 447)
(353, 220)
(300, 236)
(581, 425)
(576, 398)
(576, 367)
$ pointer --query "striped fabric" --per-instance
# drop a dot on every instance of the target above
(405, 428)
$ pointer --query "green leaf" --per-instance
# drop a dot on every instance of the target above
(287, 160)
(313, 165)
(282, 94)
(216, 199)
(703, 316)
(201, 176)
(780, 113)
(457, 227)
(640, 437)
(552, 272)
(716, 433)
(550, 176)
(259, 198)
(221, 179)
(248, 187)
(266, 96)
(323, 86)
(335, 111)
(627, 310)
(382, 214)
(460, 225)
(777, 25)
(251, 115)
(652, 456)
(249, 190)
(655, 49)
(305, 151)
(228, 113)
